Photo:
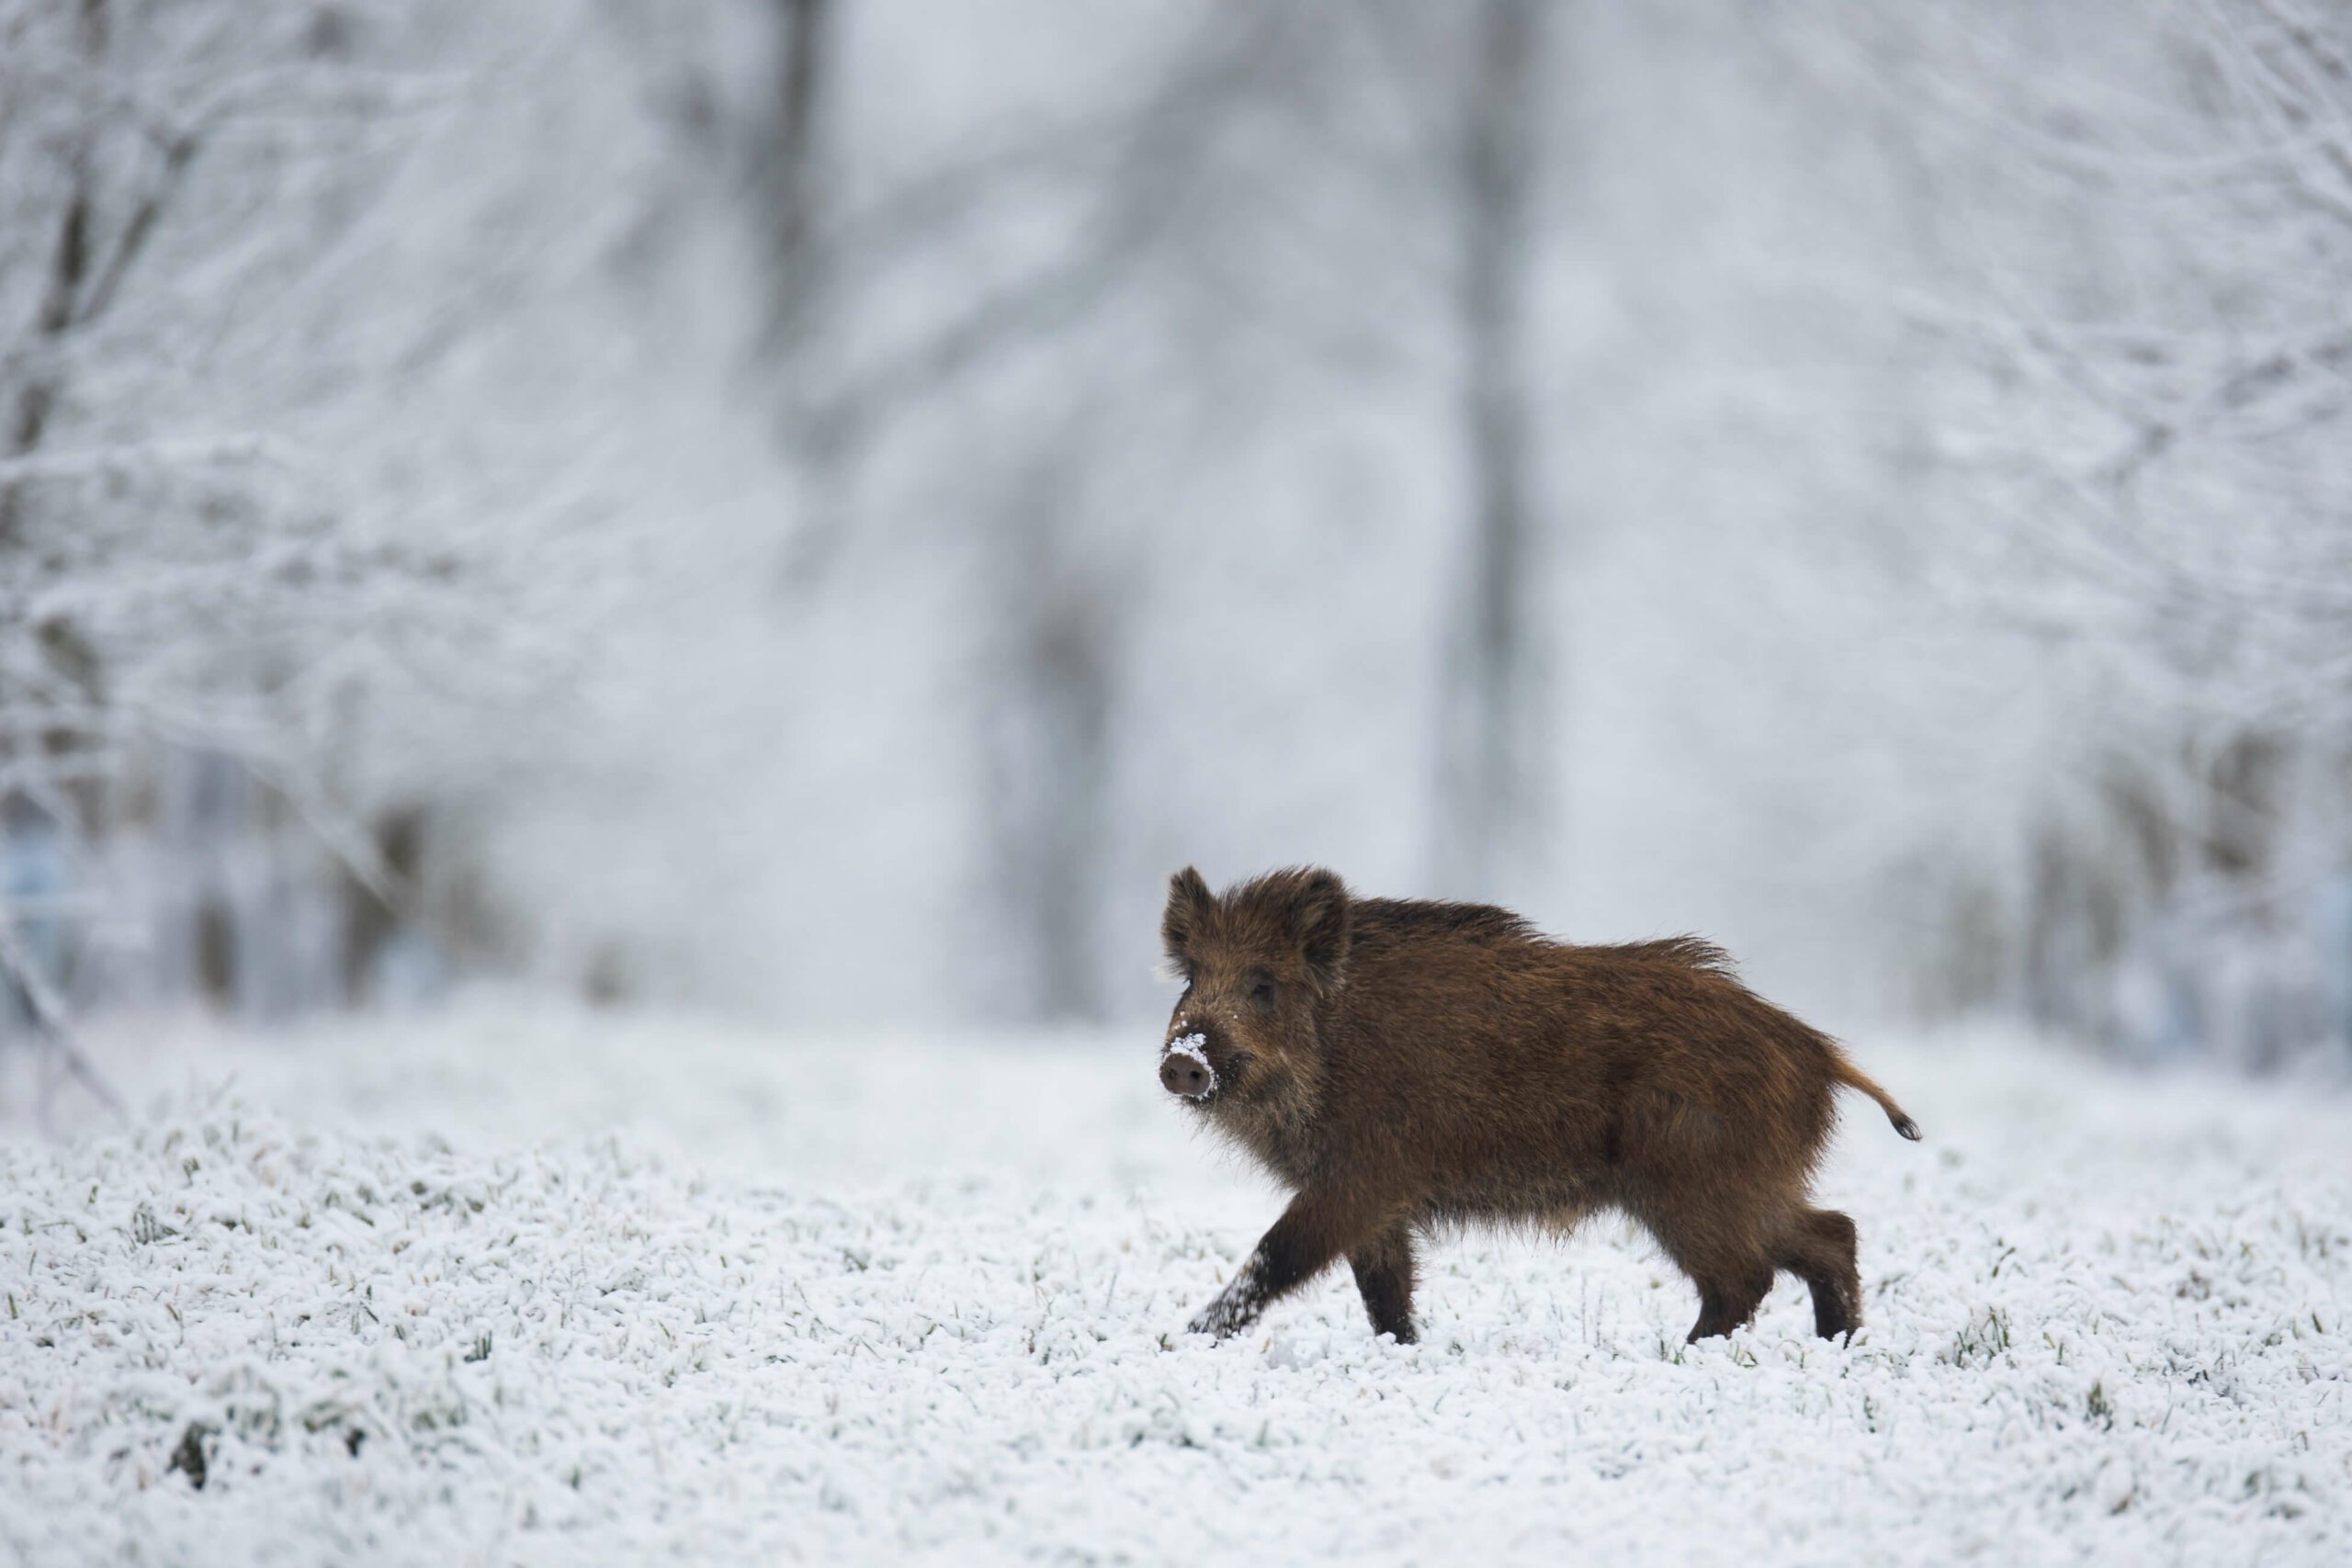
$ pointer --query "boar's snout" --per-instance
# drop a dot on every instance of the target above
(1184, 1068)
(1187, 1075)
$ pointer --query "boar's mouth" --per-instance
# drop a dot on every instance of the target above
(1232, 1072)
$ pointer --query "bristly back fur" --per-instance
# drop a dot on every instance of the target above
(1692, 952)
(1479, 922)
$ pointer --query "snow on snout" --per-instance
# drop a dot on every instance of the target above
(1194, 1045)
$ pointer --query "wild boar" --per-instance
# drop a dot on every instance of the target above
(1401, 1065)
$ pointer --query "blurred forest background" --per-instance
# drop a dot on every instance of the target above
(813, 508)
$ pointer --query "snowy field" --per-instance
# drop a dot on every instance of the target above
(520, 1286)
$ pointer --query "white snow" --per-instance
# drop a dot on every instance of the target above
(658, 1289)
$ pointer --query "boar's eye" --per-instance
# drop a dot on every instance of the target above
(1261, 992)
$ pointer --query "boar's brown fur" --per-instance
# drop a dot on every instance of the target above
(1401, 1065)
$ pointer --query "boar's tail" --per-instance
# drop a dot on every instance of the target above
(1852, 1077)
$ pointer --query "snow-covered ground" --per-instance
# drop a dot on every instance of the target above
(520, 1285)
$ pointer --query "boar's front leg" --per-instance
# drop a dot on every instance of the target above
(1311, 1235)
(1383, 1269)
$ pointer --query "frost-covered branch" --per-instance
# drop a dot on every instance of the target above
(49, 1016)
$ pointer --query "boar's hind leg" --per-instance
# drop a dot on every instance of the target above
(1734, 1274)
(1819, 1249)
(1312, 1233)
(1728, 1300)
(1383, 1269)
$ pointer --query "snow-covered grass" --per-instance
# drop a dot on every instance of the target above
(519, 1286)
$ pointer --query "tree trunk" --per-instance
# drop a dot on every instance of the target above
(1048, 734)
(69, 268)
(790, 172)
(1070, 703)
(1489, 795)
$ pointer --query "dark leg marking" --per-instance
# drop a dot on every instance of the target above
(1719, 1245)
(1820, 1251)
(1383, 1270)
(1238, 1305)
(1310, 1235)
(1729, 1301)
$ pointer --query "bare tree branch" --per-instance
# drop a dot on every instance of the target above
(49, 1014)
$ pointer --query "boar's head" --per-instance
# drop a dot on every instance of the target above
(1258, 964)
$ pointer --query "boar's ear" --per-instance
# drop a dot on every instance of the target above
(1189, 900)
(1318, 914)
